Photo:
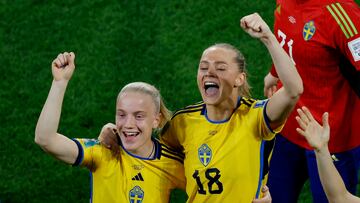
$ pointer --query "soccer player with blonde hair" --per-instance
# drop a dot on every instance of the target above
(142, 169)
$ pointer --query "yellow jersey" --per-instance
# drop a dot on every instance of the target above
(224, 160)
(128, 178)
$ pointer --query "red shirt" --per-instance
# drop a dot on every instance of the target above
(319, 36)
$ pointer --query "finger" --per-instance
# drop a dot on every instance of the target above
(308, 113)
(325, 120)
(257, 26)
(65, 54)
(301, 123)
(61, 59)
(264, 189)
(266, 92)
(302, 115)
(71, 58)
(56, 63)
(301, 132)
(273, 89)
(243, 23)
(118, 140)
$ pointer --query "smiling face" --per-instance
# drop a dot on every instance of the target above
(218, 75)
(136, 116)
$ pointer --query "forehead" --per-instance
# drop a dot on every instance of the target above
(215, 54)
(135, 101)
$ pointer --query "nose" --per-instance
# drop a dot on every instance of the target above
(210, 70)
(129, 122)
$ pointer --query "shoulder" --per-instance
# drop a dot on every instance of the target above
(247, 101)
(344, 16)
(251, 103)
(251, 107)
(171, 154)
(191, 109)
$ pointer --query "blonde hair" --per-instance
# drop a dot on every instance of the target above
(244, 90)
(154, 93)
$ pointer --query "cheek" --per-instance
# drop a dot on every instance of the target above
(198, 78)
(118, 123)
(145, 125)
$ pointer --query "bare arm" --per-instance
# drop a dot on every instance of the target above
(46, 135)
(318, 138)
(283, 101)
(266, 197)
(270, 85)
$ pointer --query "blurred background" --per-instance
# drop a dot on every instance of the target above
(115, 42)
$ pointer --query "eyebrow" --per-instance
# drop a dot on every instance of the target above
(216, 62)
(136, 112)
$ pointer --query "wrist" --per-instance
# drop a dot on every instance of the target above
(324, 150)
(269, 40)
(60, 83)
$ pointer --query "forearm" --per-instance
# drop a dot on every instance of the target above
(285, 68)
(47, 126)
(331, 180)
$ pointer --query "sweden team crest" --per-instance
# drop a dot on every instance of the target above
(309, 30)
(136, 195)
(204, 153)
(91, 142)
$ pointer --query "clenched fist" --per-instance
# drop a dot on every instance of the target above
(255, 26)
(63, 66)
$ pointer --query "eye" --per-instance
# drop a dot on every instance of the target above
(121, 115)
(221, 67)
(140, 116)
(203, 66)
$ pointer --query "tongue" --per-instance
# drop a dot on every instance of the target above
(212, 91)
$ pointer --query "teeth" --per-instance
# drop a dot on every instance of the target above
(210, 83)
(130, 133)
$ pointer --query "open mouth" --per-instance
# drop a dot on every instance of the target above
(211, 88)
(131, 134)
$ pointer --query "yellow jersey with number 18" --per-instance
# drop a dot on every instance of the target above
(223, 159)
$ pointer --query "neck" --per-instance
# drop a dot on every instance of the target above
(145, 151)
(221, 111)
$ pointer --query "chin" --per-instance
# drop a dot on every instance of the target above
(210, 101)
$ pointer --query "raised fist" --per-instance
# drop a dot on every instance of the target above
(255, 26)
(63, 66)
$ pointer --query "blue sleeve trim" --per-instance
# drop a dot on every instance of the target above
(266, 118)
(91, 187)
(80, 156)
(261, 169)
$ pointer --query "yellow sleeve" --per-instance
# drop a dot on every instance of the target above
(175, 167)
(180, 177)
(89, 153)
(169, 136)
(266, 132)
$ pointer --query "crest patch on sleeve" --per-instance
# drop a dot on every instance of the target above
(354, 47)
(260, 103)
(91, 142)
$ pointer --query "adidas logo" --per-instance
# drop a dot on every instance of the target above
(138, 177)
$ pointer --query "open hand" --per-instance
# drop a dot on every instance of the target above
(316, 135)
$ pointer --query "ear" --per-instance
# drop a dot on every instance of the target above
(240, 79)
(157, 120)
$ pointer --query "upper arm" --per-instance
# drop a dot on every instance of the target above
(279, 107)
(347, 197)
(62, 148)
(265, 129)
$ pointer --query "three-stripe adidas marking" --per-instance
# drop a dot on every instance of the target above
(138, 177)
(342, 19)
